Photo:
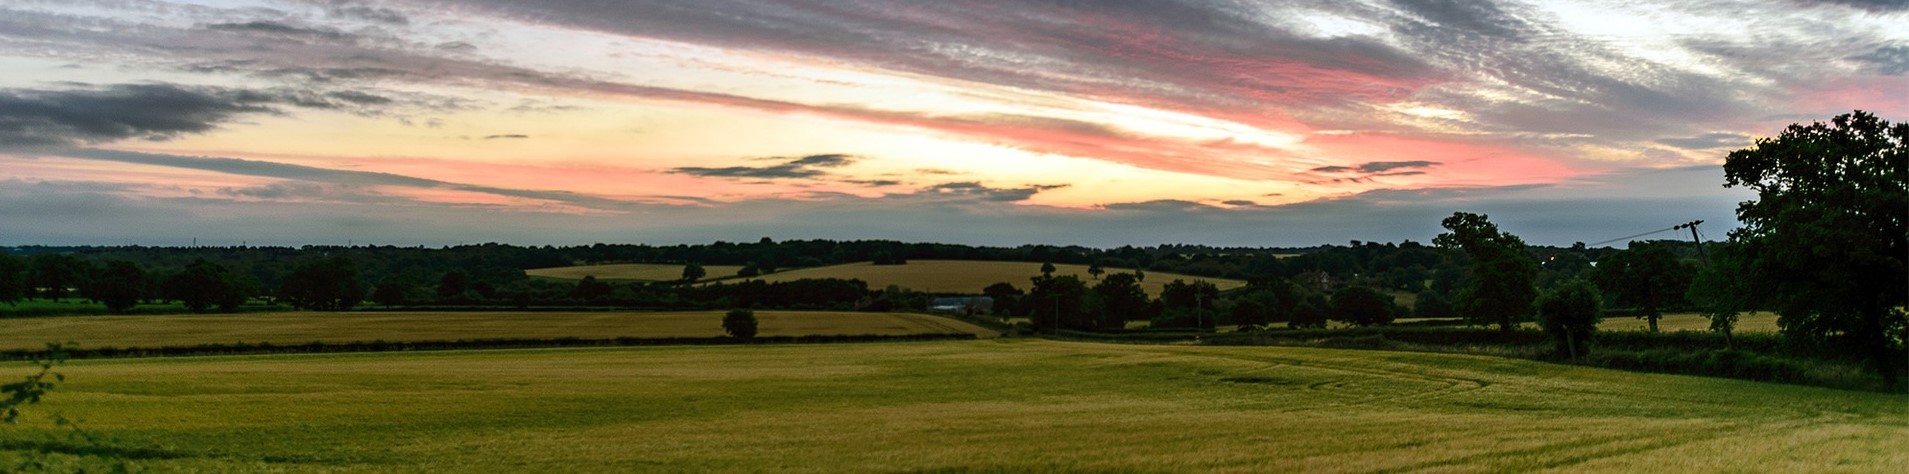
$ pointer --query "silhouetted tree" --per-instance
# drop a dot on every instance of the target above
(1310, 313)
(55, 274)
(1430, 304)
(1724, 289)
(1826, 237)
(1006, 297)
(13, 282)
(329, 284)
(118, 285)
(1361, 306)
(1059, 302)
(1095, 270)
(1047, 268)
(1121, 300)
(693, 272)
(1647, 277)
(589, 289)
(452, 285)
(740, 323)
(1501, 289)
(1569, 314)
(203, 285)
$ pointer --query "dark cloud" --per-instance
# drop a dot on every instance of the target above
(281, 30)
(359, 10)
(456, 47)
(1870, 5)
(803, 167)
(1384, 166)
(505, 136)
(1364, 172)
(1707, 141)
(146, 111)
(332, 177)
(1239, 202)
(1891, 60)
(874, 182)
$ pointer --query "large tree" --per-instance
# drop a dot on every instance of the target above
(1647, 276)
(1501, 288)
(1569, 314)
(13, 282)
(1826, 236)
(203, 285)
(1059, 302)
(330, 284)
(1121, 300)
(55, 274)
(119, 285)
(1361, 306)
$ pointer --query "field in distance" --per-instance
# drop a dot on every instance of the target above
(982, 406)
(970, 276)
(630, 271)
(304, 327)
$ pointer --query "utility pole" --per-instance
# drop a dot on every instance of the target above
(1692, 225)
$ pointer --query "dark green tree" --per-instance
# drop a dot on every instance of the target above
(1095, 270)
(119, 285)
(1647, 277)
(693, 272)
(1310, 313)
(749, 270)
(1059, 302)
(328, 284)
(1569, 314)
(740, 323)
(390, 293)
(203, 285)
(1187, 304)
(1047, 268)
(1501, 288)
(1006, 297)
(1361, 306)
(56, 274)
(1431, 304)
(1723, 289)
(1254, 307)
(590, 289)
(1827, 235)
(13, 279)
(1121, 300)
(452, 285)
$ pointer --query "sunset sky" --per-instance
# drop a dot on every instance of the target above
(1101, 123)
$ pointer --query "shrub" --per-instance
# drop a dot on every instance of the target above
(740, 323)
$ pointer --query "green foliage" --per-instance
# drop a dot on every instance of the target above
(390, 293)
(13, 283)
(1095, 270)
(1647, 276)
(452, 285)
(1826, 238)
(1361, 306)
(329, 284)
(740, 323)
(1059, 302)
(1006, 297)
(693, 272)
(203, 285)
(118, 285)
(1047, 268)
(1501, 289)
(1310, 313)
(33, 387)
(1569, 314)
(55, 274)
(1722, 291)
(1121, 300)
(1432, 304)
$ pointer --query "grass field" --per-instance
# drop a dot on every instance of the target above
(970, 276)
(299, 328)
(631, 272)
(973, 406)
(1752, 322)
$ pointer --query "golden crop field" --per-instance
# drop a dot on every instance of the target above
(968, 406)
(304, 327)
(970, 276)
(631, 271)
(1752, 322)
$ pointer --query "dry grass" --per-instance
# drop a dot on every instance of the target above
(299, 328)
(631, 271)
(977, 406)
(970, 276)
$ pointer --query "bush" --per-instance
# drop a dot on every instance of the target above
(740, 323)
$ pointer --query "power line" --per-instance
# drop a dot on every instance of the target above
(1666, 229)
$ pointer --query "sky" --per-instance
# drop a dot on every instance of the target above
(1100, 123)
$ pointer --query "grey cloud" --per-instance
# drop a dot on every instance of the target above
(281, 30)
(456, 47)
(362, 11)
(977, 191)
(1870, 5)
(148, 111)
(1891, 60)
(803, 167)
(1707, 141)
(506, 136)
(1384, 166)
(325, 176)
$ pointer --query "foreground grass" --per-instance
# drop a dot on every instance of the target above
(991, 406)
(970, 276)
(304, 327)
